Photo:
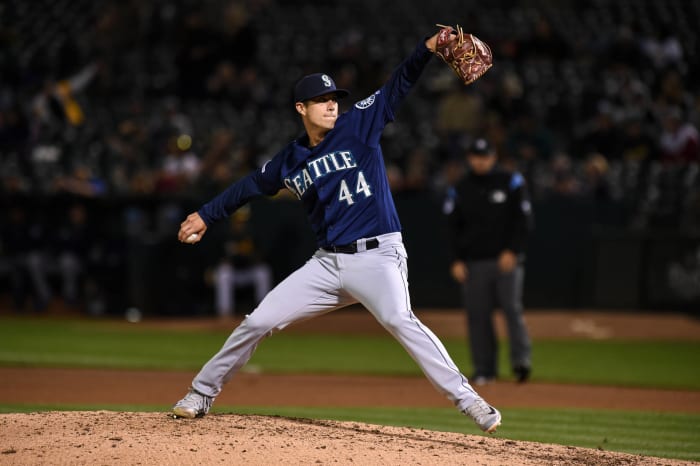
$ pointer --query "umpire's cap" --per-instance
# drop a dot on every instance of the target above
(314, 85)
(480, 146)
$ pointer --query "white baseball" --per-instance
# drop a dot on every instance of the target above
(192, 238)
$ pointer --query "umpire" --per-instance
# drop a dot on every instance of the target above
(489, 218)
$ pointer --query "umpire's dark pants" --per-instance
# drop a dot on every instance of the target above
(486, 289)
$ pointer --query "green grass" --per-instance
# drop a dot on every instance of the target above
(669, 435)
(661, 364)
(79, 343)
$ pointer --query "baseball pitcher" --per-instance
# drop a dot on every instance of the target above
(336, 169)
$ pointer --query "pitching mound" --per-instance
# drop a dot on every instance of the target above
(105, 437)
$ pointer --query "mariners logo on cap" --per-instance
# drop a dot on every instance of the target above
(326, 80)
(314, 85)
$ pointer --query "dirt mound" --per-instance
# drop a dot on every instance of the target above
(106, 437)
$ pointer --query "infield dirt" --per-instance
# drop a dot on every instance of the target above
(111, 438)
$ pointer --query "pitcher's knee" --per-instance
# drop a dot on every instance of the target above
(395, 322)
(260, 324)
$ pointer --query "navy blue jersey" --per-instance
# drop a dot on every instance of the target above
(342, 181)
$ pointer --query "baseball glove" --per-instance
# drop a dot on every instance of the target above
(468, 56)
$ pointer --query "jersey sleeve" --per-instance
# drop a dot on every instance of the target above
(373, 113)
(404, 77)
(265, 181)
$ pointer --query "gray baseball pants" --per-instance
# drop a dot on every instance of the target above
(486, 289)
(377, 279)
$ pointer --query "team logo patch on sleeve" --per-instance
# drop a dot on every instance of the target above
(366, 103)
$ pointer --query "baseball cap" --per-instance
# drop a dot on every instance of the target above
(480, 146)
(314, 85)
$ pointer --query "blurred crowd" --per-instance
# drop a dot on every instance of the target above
(175, 98)
(171, 97)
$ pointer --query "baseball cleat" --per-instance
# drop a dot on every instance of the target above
(522, 373)
(480, 380)
(484, 415)
(193, 405)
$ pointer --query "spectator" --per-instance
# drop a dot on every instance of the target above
(508, 100)
(23, 242)
(595, 182)
(180, 167)
(544, 43)
(528, 140)
(662, 47)
(624, 48)
(563, 181)
(601, 134)
(14, 130)
(679, 140)
(57, 102)
(672, 93)
(418, 171)
(197, 54)
(241, 266)
(81, 182)
(638, 143)
(459, 112)
(239, 35)
(72, 252)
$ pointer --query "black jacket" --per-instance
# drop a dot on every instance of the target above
(488, 214)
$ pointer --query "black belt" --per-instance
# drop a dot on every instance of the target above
(352, 247)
